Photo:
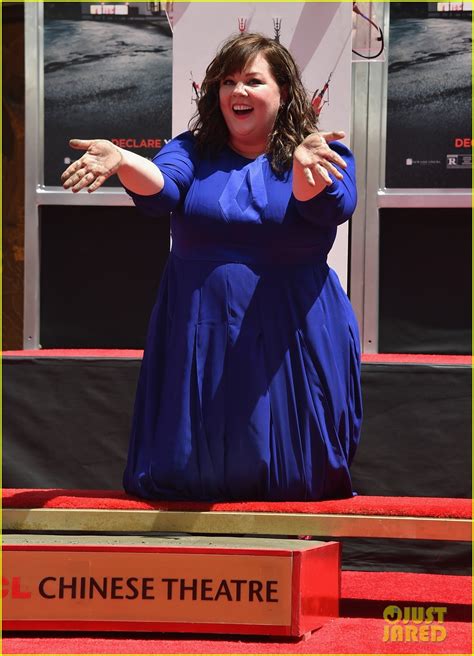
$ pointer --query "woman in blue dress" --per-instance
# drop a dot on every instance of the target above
(250, 383)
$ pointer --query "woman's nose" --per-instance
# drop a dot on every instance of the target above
(240, 89)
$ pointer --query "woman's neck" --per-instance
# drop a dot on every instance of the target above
(250, 151)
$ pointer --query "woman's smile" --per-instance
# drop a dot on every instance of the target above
(242, 110)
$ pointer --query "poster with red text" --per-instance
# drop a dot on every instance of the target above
(107, 73)
(429, 96)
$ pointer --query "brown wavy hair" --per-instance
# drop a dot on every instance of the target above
(295, 119)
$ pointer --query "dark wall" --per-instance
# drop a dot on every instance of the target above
(425, 281)
(100, 271)
(13, 161)
(68, 420)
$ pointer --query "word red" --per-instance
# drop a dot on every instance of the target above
(13, 588)
(462, 142)
(134, 143)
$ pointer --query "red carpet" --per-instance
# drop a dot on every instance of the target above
(361, 505)
(417, 358)
(76, 353)
(346, 635)
(381, 358)
(366, 594)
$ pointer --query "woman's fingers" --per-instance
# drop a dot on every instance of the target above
(82, 178)
(71, 170)
(318, 166)
(332, 169)
(316, 170)
(73, 174)
(331, 156)
(322, 172)
(98, 182)
(309, 176)
(333, 136)
(81, 144)
(315, 145)
(89, 180)
(80, 175)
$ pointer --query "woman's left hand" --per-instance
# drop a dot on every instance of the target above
(316, 160)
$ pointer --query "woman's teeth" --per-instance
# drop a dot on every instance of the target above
(242, 109)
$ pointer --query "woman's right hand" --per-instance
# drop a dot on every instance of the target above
(100, 161)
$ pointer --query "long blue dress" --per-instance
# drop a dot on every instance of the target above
(250, 383)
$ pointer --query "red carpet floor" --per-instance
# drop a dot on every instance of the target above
(379, 358)
(76, 353)
(118, 500)
(347, 635)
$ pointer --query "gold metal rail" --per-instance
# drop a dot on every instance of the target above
(237, 523)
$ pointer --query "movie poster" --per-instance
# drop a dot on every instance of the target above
(429, 96)
(107, 74)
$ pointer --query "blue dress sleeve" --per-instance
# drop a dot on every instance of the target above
(335, 204)
(176, 161)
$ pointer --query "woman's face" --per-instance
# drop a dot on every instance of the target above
(249, 101)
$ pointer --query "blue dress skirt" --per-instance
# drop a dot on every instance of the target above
(250, 383)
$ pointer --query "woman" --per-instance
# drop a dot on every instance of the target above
(250, 382)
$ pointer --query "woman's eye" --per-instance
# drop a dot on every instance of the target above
(227, 82)
(254, 81)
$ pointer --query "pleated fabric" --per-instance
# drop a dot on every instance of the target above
(250, 383)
